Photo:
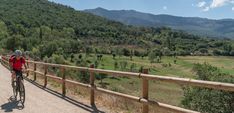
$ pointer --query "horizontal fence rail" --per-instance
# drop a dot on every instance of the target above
(182, 81)
(144, 76)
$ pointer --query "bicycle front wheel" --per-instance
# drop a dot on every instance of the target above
(22, 93)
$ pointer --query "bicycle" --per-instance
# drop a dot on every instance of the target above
(18, 88)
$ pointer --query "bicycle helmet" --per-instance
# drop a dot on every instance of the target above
(18, 53)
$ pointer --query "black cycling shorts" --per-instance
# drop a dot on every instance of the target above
(18, 72)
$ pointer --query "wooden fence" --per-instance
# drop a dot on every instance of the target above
(145, 84)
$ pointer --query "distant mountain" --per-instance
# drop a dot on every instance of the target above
(200, 26)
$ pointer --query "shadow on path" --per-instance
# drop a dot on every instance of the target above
(91, 109)
(11, 105)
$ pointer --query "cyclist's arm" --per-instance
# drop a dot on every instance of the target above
(25, 66)
(11, 65)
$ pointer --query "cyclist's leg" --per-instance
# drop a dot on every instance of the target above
(19, 75)
(21, 86)
(13, 76)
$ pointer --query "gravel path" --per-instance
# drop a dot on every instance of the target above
(38, 100)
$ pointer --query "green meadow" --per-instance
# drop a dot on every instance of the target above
(161, 91)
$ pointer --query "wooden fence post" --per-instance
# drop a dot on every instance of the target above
(92, 78)
(27, 68)
(62, 69)
(45, 77)
(145, 90)
(34, 69)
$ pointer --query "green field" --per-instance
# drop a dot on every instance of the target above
(164, 92)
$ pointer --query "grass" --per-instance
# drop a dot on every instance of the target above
(163, 92)
(160, 91)
(225, 64)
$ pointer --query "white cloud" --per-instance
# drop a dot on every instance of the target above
(201, 4)
(220, 3)
(164, 7)
(214, 4)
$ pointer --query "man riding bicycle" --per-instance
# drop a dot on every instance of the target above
(16, 63)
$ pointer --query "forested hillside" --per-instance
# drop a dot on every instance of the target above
(45, 28)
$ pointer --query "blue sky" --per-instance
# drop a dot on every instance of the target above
(214, 9)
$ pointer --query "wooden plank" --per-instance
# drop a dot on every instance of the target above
(77, 83)
(192, 82)
(39, 73)
(30, 70)
(54, 78)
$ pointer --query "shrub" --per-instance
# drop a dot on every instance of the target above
(123, 65)
(209, 100)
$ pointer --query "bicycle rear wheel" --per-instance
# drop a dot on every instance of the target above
(22, 92)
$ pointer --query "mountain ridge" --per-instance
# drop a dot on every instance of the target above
(222, 28)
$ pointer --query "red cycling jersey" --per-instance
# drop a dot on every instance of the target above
(17, 64)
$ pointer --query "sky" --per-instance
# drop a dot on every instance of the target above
(213, 9)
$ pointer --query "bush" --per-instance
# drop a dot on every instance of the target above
(116, 65)
(123, 65)
(133, 67)
(164, 65)
(217, 52)
(232, 53)
(209, 100)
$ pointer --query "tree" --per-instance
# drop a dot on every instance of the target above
(68, 33)
(126, 52)
(72, 57)
(119, 52)
(58, 59)
(49, 48)
(227, 49)
(131, 54)
(14, 42)
(152, 56)
(116, 65)
(216, 52)
(232, 53)
(45, 33)
(101, 76)
(203, 50)
(3, 31)
(113, 55)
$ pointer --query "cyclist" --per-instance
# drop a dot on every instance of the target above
(16, 64)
